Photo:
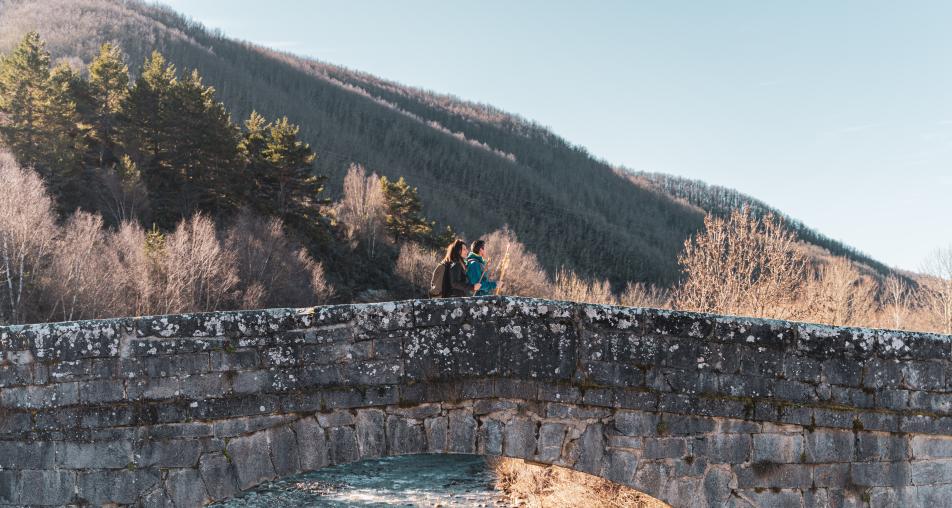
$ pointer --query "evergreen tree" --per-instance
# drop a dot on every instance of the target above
(108, 88)
(183, 141)
(405, 219)
(38, 109)
(280, 169)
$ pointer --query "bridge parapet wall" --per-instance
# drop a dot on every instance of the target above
(691, 408)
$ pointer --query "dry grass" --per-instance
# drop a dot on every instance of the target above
(531, 485)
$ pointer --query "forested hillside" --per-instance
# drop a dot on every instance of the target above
(476, 168)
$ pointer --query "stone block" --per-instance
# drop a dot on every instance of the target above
(436, 434)
(622, 465)
(284, 451)
(838, 371)
(930, 472)
(825, 445)
(834, 476)
(591, 448)
(342, 445)
(490, 437)
(881, 447)
(94, 455)
(164, 454)
(116, 487)
(664, 448)
(186, 488)
(772, 475)
(462, 432)
(371, 433)
(40, 397)
(926, 447)
(520, 438)
(777, 448)
(721, 448)
(10, 487)
(25, 455)
(405, 435)
(549, 445)
(925, 375)
(47, 487)
(636, 423)
(880, 474)
(251, 456)
(312, 444)
(219, 476)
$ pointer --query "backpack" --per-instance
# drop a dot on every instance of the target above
(440, 281)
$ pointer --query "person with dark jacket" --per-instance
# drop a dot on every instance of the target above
(449, 278)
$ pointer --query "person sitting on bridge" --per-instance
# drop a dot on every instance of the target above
(476, 269)
(449, 277)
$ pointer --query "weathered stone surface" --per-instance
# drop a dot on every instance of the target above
(186, 488)
(371, 436)
(694, 409)
(125, 487)
(251, 456)
(219, 475)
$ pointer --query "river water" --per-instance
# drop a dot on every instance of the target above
(412, 480)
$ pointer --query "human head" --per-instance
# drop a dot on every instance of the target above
(478, 247)
(454, 251)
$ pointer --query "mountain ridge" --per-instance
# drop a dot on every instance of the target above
(476, 166)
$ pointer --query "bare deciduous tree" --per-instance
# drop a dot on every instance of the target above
(938, 288)
(517, 270)
(897, 300)
(569, 286)
(273, 270)
(27, 231)
(196, 272)
(838, 294)
(415, 264)
(362, 209)
(742, 265)
(638, 294)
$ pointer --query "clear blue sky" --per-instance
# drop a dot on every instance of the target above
(837, 112)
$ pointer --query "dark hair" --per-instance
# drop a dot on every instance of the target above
(478, 246)
(454, 252)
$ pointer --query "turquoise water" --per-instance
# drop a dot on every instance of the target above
(413, 480)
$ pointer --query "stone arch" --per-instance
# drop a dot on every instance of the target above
(692, 409)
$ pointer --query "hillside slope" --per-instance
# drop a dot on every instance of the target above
(477, 168)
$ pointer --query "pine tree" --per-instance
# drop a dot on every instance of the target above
(280, 170)
(405, 219)
(108, 88)
(38, 109)
(183, 142)
(145, 131)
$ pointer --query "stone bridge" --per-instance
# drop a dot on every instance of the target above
(693, 409)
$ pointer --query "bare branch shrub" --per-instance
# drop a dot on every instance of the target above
(638, 294)
(538, 486)
(133, 272)
(898, 300)
(937, 292)
(742, 265)
(80, 282)
(362, 209)
(27, 231)
(195, 272)
(415, 264)
(519, 273)
(838, 294)
(273, 270)
(570, 287)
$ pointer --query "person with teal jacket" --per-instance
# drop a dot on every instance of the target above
(476, 269)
